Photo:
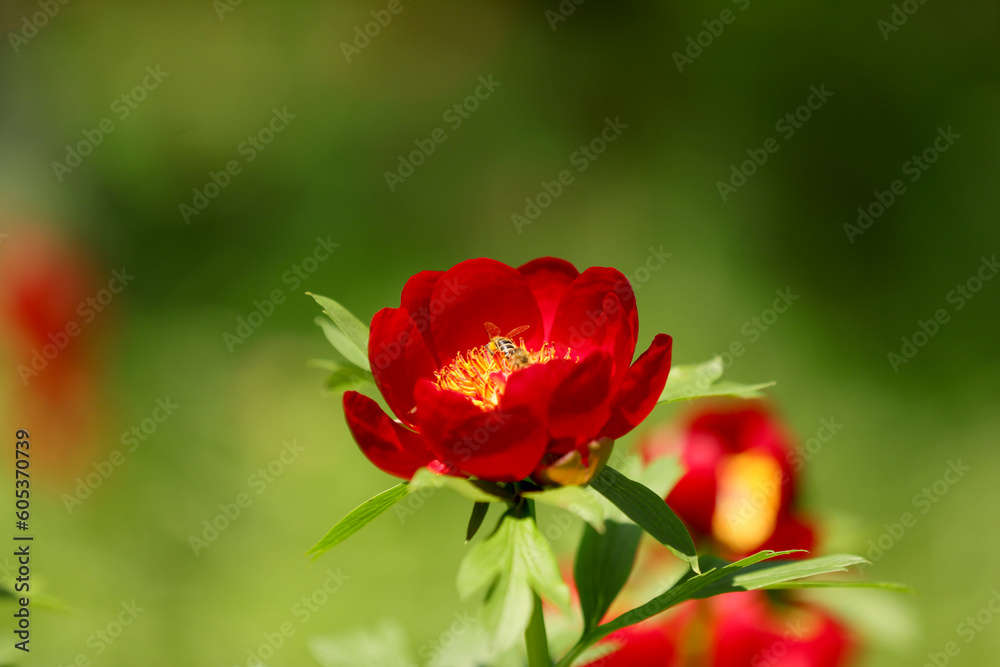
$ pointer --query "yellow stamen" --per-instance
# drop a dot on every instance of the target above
(481, 373)
(747, 502)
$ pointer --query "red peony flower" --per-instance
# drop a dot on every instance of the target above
(508, 410)
(734, 630)
(738, 490)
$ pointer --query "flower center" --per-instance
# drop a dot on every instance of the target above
(481, 373)
(746, 506)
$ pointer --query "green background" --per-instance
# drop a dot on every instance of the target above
(654, 187)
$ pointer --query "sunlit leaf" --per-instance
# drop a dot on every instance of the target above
(472, 489)
(690, 381)
(514, 561)
(358, 518)
(578, 500)
(386, 645)
(350, 336)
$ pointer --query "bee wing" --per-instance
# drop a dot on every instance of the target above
(491, 329)
(518, 330)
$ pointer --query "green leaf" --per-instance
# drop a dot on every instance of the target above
(778, 574)
(717, 577)
(879, 585)
(687, 588)
(648, 510)
(771, 574)
(351, 339)
(348, 378)
(603, 565)
(479, 511)
(701, 380)
(578, 500)
(359, 517)
(514, 561)
(472, 489)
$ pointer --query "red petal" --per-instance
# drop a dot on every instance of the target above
(791, 532)
(693, 498)
(386, 443)
(478, 291)
(548, 278)
(597, 311)
(752, 429)
(502, 445)
(640, 388)
(581, 403)
(399, 357)
(416, 299)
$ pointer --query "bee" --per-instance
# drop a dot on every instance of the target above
(516, 356)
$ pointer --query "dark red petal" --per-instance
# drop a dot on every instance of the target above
(641, 387)
(581, 403)
(597, 311)
(416, 299)
(693, 498)
(386, 443)
(502, 445)
(548, 278)
(791, 532)
(478, 291)
(399, 357)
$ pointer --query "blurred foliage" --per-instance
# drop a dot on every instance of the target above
(652, 191)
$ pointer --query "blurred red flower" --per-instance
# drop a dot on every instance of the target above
(45, 280)
(738, 489)
(744, 629)
(504, 412)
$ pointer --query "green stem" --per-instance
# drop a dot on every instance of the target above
(535, 638)
(574, 653)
